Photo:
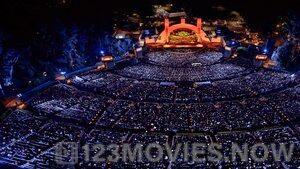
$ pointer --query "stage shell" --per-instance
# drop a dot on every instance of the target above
(164, 41)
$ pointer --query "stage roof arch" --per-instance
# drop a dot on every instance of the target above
(164, 37)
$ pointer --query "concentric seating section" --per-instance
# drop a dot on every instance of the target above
(176, 96)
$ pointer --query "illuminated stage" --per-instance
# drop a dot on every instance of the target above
(183, 35)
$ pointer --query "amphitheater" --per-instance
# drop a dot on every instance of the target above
(170, 96)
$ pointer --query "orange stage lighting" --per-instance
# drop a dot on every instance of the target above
(107, 58)
(182, 35)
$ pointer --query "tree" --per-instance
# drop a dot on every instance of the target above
(287, 55)
(10, 58)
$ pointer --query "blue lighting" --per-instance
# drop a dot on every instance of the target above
(63, 73)
(102, 52)
(233, 42)
(265, 50)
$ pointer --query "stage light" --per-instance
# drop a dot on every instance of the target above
(102, 52)
(293, 76)
(265, 50)
(63, 73)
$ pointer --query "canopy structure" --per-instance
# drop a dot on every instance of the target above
(182, 35)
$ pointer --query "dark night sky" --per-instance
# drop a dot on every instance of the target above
(23, 15)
